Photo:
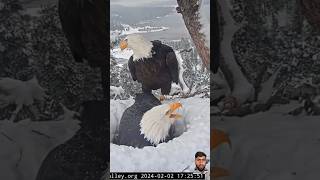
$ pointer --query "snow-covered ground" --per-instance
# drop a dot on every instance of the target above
(25, 144)
(117, 107)
(173, 156)
(270, 145)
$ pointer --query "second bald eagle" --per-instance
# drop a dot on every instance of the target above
(153, 64)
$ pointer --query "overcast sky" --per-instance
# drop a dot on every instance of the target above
(144, 2)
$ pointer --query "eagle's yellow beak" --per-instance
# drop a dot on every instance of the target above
(173, 107)
(123, 44)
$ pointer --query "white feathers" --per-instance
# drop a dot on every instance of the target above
(141, 47)
(155, 124)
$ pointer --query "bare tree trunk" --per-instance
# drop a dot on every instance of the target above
(190, 13)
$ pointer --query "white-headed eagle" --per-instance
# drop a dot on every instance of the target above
(153, 64)
(156, 123)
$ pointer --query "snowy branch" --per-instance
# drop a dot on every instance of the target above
(241, 88)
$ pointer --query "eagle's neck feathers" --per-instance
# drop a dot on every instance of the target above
(155, 125)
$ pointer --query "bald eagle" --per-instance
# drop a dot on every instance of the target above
(148, 122)
(153, 64)
(156, 123)
(84, 23)
(129, 130)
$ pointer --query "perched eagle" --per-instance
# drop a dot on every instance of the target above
(84, 23)
(153, 64)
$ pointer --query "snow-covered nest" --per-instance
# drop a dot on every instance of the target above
(117, 107)
(173, 156)
(25, 144)
(271, 145)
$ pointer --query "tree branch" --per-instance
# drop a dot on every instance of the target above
(190, 13)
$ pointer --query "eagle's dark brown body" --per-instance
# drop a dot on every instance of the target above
(158, 71)
(311, 10)
(84, 23)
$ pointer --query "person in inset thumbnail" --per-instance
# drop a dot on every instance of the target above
(200, 162)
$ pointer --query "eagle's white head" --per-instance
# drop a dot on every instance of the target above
(156, 122)
(140, 46)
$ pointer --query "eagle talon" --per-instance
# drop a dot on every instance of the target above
(162, 98)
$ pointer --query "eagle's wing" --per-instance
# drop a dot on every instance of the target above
(172, 63)
(132, 68)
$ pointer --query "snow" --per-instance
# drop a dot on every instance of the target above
(196, 113)
(117, 109)
(67, 113)
(121, 54)
(175, 89)
(267, 88)
(271, 145)
(20, 92)
(28, 142)
(242, 89)
(116, 91)
(181, 70)
(219, 80)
